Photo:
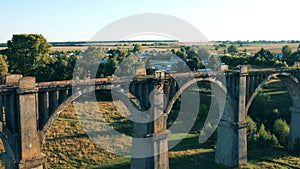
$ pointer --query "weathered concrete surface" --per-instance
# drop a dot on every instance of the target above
(294, 127)
(150, 138)
(12, 79)
(31, 156)
(232, 133)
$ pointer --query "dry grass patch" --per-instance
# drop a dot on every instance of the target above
(68, 146)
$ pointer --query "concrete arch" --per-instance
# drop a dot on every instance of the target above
(290, 82)
(188, 84)
(216, 110)
(60, 108)
(130, 105)
(293, 87)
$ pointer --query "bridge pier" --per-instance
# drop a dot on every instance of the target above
(232, 133)
(31, 156)
(294, 127)
(150, 144)
(19, 135)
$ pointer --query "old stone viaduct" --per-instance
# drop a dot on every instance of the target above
(28, 109)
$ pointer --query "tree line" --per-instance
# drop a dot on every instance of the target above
(30, 55)
(263, 58)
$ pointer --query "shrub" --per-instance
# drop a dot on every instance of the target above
(252, 128)
(263, 139)
(282, 130)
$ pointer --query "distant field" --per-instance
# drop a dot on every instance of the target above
(275, 48)
(65, 48)
(253, 48)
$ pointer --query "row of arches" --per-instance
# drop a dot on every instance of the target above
(224, 102)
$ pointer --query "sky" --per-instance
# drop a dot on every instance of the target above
(79, 20)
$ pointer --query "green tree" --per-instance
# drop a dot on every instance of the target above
(3, 65)
(128, 66)
(232, 49)
(252, 128)
(215, 63)
(295, 57)
(266, 54)
(26, 53)
(282, 130)
(181, 53)
(109, 68)
(137, 48)
(190, 51)
(88, 62)
(202, 52)
(62, 65)
(149, 69)
(265, 138)
(195, 63)
(286, 52)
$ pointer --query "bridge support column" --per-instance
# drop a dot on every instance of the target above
(24, 150)
(31, 156)
(294, 127)
(150, 144)
(43, 108)
(232, 134)
(53, 101)
(62, 96)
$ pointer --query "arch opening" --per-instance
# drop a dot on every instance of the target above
(70, 141)
(272, 110)
(212, 98)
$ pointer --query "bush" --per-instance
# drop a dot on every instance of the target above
(263, 139)
(252, 128)
(282, 130)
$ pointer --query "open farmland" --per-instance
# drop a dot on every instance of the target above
(251, 48)
(274, 48)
